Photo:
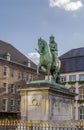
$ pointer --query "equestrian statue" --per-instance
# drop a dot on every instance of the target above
(49, 58)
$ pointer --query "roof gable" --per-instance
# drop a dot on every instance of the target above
(16, 55)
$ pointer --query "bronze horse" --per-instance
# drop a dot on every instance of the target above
(46, 61)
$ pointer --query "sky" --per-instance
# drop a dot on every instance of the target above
(23, 22)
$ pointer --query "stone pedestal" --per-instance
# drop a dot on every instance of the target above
(46, 101)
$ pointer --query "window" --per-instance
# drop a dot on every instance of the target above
(5, 71)
(30, 78)
(63, 78)
(81, 77)
(19, 86)
(12, 88)
(18, 105)
(81, 92)
(72, 89)
(20, 75)
(12, 73)
(4, 89)
(4, 104)
(72, 78)
(81, 113)
(12, 104)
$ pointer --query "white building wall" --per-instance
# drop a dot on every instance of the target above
(76, 85)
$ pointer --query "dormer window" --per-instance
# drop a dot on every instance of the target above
(72, 89)
(8, 56)
(29, 63)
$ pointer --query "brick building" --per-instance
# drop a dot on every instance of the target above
(15, 71)
(72, 75)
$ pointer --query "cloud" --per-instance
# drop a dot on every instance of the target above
(34, 56)
(67, 5)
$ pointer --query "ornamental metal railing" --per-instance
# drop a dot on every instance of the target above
(40, 125)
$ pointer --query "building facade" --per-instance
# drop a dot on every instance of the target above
(16, 70)
(72, 76)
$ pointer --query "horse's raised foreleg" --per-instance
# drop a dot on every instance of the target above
(38, 68)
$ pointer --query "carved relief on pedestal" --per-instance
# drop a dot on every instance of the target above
(61, 107)
(35, 102)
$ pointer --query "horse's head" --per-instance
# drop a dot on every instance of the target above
(41, 45)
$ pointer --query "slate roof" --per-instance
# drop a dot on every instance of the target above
(16, 55)
(72, 61)
(73, 53)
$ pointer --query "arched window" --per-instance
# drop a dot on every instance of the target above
(81, 112)
(81, 92)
